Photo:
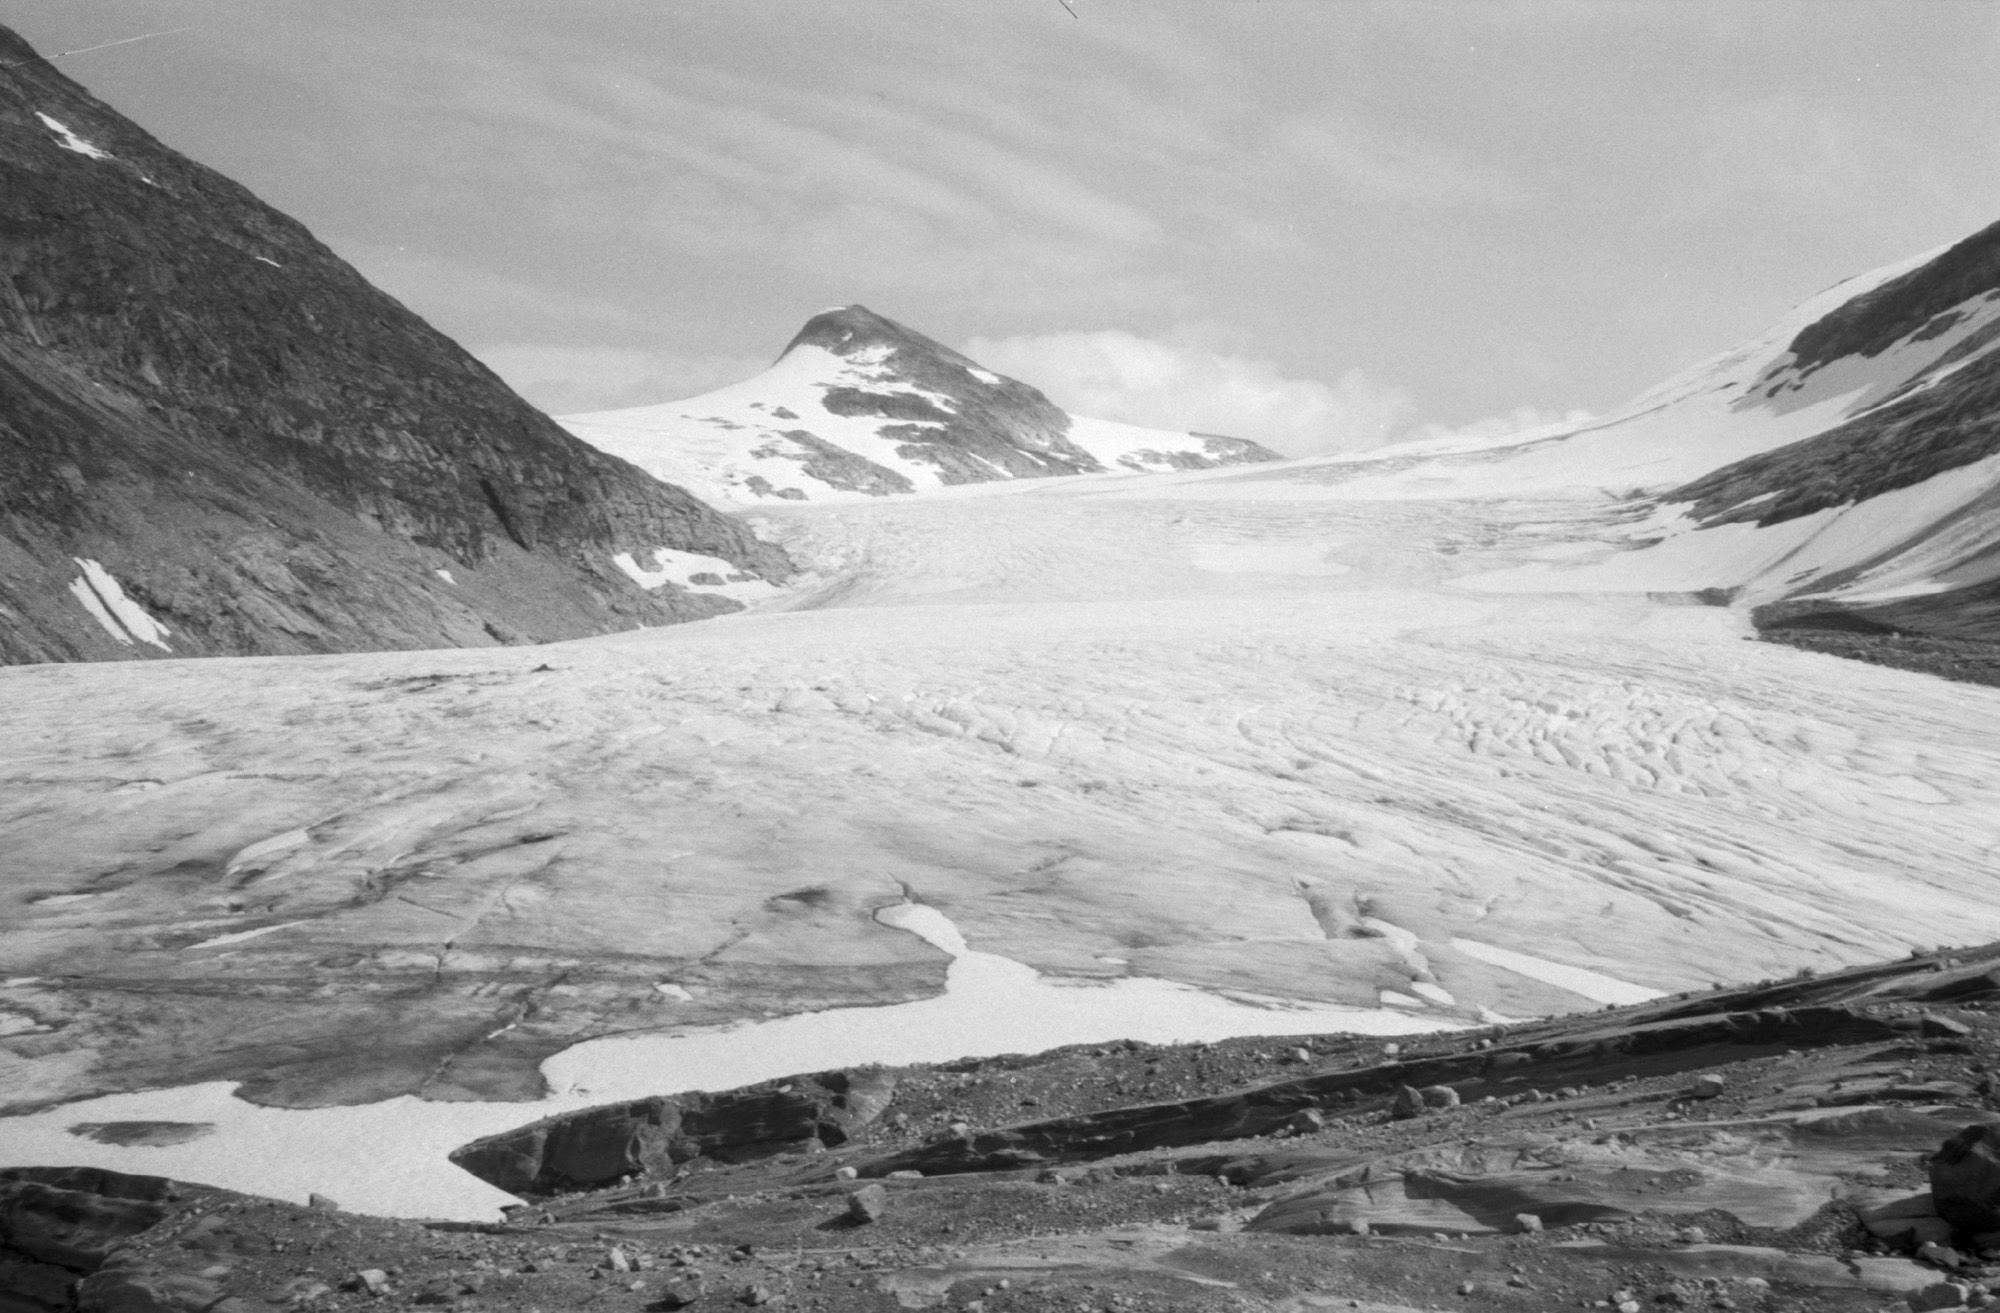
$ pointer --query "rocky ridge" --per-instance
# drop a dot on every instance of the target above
(221, 440)
(1763, 1148)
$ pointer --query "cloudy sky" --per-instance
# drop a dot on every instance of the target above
(1310, 222)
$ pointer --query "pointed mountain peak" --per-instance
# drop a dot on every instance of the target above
(860, 405)
(850, 329)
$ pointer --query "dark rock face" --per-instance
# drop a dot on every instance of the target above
(1950, 424)
(1965, 1180)
(652, 1137)
(1902, 307)
(264, 452)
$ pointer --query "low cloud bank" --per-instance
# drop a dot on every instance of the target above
(1112, 374)
(1521, 419)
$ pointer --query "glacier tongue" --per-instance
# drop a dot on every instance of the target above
(1237, 732)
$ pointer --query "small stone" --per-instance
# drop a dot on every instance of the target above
(1527, 1223)
(372, 1280)
(1944, 1294)
(905, 1175)
(1708, 1085)
(1518, 1281)
(617, 1262)
(1306, 1121)
(867, 1204)
(1939, 1255)
(1302, 1055)
(1468, 1287)
(845, 1173)
(1391, 1050)
(1936, 1027)
(320, 1203)
(1691, 1235)
(1628, 1306)
(756, 1295)
(300, 1292)
(1408, 1103)
(1439, 1096)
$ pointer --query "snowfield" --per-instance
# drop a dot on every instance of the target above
(1265, 739)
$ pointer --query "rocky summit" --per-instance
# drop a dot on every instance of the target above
(1818, 1143)
(860, 406)
(219, 439)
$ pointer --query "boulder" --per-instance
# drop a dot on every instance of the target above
(680, 1294)
(1943, 1294)
(75, 1216)
(1965, 1179)
(1408, 1103)
(1909, 1221)
(131, 1285)
(867, 1204)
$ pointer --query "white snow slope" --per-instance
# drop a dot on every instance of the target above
(1237, 731)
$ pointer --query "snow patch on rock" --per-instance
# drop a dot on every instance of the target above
(70, 141)
(243, 936)
(119, 616)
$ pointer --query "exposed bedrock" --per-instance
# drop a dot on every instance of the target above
(657, 1136)
(1654, 1048)
(59, 1225)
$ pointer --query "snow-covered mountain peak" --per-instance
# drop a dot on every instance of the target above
(859, 405)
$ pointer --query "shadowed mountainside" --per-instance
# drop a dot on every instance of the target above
(221, 440)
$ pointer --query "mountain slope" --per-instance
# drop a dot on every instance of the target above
(1844, 465)
(1896, 511)
(860, 406)
(221, 440)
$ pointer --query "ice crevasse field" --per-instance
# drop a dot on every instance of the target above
(1383, 745)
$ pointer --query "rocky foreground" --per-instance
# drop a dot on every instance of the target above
(1788, 1146)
